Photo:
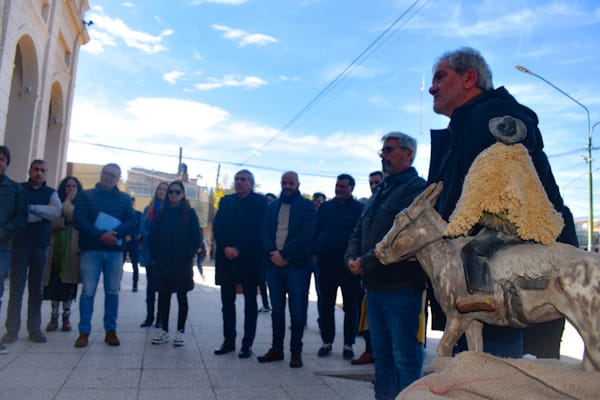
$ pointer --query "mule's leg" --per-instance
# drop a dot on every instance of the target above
(452, 331)
(474, 334)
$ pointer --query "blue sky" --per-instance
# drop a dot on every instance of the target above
(222, 78)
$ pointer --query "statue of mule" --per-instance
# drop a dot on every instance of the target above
(532, 282)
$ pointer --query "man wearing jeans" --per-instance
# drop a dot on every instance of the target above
(100, 241)
(13, 217)
(287, 237)
(29, 254)
(394, 292)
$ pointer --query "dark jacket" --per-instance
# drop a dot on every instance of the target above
(13, 211)
(42, 202)
(112, 202)
(237, 224)
(174, 239)
(453, 150)
(391, 196)
(299, 243)
(335, 224)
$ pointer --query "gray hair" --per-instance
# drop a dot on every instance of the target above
(250, 176)
(404, 141)
(466, 58)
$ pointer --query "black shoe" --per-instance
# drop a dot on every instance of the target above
(224, 349)
(37, 337)
(325, 350)
(146, 323)
(245, 352)
(271, 355)
(9, 338)
(296, 361)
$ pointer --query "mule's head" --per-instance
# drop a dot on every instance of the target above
(411, 230)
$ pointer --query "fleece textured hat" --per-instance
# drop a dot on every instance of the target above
(508, 129)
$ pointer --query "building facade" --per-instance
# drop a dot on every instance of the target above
(39, 49)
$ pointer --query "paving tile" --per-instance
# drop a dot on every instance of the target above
(95, 378)
(97, 394)
(174, 379)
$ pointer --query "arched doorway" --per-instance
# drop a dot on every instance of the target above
(55, 154)
(21, 108)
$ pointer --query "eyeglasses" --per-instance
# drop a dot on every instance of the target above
(174, 191)
(110, 174)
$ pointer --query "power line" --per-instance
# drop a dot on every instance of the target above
(207, 160)
(361, 57)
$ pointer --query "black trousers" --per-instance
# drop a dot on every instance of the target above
(164, 307)
(328, 285)
(228, 296)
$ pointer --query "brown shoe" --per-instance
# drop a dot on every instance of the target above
(271, 355)
(82, 340)
(296, 361)
(66, 324)
(52, 325)
(365, 358)
(474, 303)
(111, 338)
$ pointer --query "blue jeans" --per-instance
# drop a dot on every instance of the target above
(394, 323)
(294, 283)
(28, 266)
(4, 268)
(110, 263)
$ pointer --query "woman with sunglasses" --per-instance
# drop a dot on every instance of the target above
(175, 236)
(151, 211)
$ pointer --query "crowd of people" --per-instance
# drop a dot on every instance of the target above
(55, 239)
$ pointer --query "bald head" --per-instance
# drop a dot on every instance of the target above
(289, 183)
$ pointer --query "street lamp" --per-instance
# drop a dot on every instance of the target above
(589, 156)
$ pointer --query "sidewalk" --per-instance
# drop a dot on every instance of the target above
(139, 370)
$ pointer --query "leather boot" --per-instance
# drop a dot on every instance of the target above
(66, 324)
(53, 324)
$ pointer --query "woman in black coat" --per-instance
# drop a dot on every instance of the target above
(175, 236)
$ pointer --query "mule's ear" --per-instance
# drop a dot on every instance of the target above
(432, 193)
(423, 198)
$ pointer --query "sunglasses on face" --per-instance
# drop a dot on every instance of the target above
(174, 191)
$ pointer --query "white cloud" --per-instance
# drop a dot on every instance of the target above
(244, 38)
(107, 31)
(173, 76)
(248, 82)
(127, 4)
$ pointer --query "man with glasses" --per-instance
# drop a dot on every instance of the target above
(394, 292)
(104, 216)
(30, 251)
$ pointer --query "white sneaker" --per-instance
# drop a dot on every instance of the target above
(178, 341)
(162, 337)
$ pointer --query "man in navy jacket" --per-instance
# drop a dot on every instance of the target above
(236, 231)
(101, 245)
(287, 239)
